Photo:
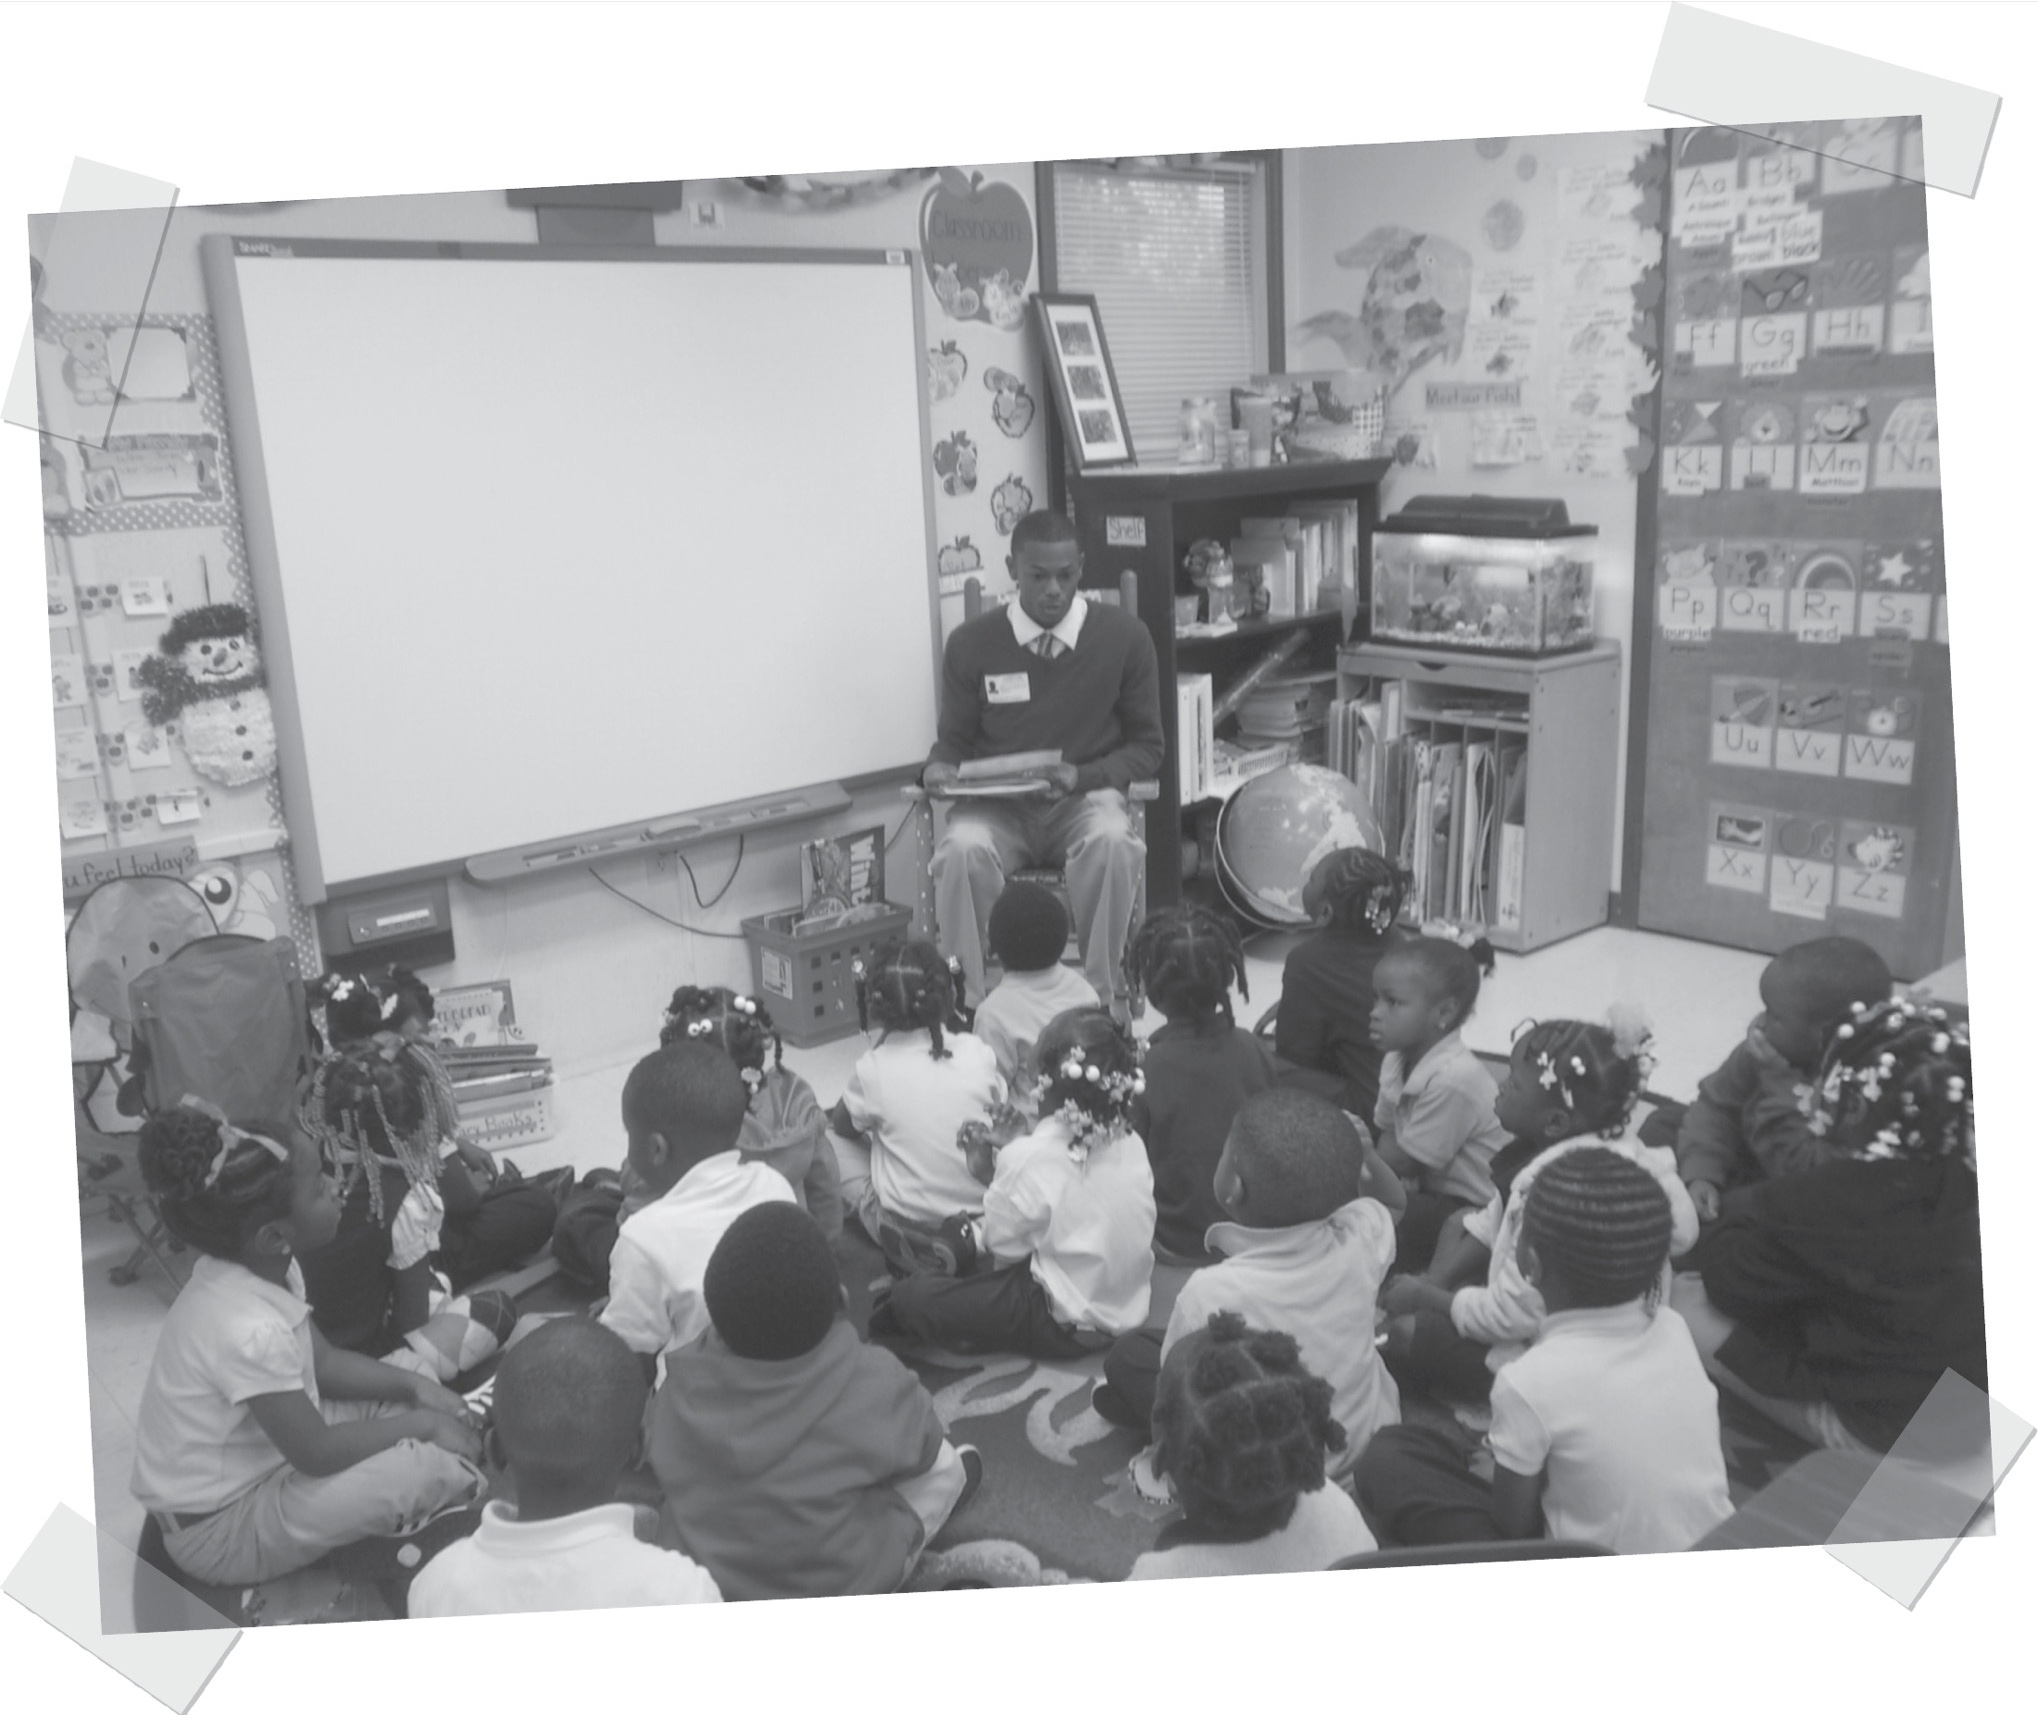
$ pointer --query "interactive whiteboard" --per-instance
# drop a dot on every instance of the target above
(547, 540)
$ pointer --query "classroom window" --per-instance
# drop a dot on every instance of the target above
(1176, 258)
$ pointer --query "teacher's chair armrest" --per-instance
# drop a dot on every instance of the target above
(1144, 791)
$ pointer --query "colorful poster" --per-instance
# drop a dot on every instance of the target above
(1772, 345)
(1737, 848)
(1834, 444)
(1743, 722)
(1691, 447)
(1882, 727)
(1687, 598)
(1874, 864)
(1754, 587)
(1801, 876)
(1907, 443)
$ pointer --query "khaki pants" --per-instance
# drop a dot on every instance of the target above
(288, 1520)
(1089, 834)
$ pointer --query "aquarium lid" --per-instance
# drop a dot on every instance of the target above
(1484, 515)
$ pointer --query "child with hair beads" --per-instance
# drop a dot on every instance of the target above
(1568, 1085)
(1433, 1123)
(1323, 1033)
(1200, 1066)
(683, 1108)
(906, 1102)
(371, 1287)
(1241, 1431)
(259, 1446)
(1606, 1429)
(1833, 1300)
(785, 1127)
(1748, 1123)
(1029, 931)
(494, 1217)
(1062, 1259)
(1310, 1238)
(567, 1422)
(795, 1459)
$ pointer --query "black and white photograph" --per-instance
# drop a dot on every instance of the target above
(1403, 1010)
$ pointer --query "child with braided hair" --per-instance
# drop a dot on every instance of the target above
(1200, 1066)
(1241, 1431)
(907, 1099)
(494, 1217)
(1606, 1429)
(260, 1446)
(1323, 1036)
(1061, 1261)
(1833, 1300)
(371, 1286)
(1569, 1085)
(785, 1127)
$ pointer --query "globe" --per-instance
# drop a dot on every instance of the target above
(1277, 827)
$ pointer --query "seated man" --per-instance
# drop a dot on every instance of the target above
(1053, 671)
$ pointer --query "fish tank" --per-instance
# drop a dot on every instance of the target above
(1501, 575)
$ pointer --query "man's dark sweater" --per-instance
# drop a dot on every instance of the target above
(1099, 704)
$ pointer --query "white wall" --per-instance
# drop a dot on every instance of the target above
(591, 972)
(1332, 198)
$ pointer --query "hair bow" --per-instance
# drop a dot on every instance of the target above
(229, 1135)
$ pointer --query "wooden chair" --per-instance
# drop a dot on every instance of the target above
(1140, 794)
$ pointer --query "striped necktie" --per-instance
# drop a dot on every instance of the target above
(1047, 646)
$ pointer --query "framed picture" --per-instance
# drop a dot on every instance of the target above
(1085, 385)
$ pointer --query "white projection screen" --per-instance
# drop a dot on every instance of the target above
(549, 542)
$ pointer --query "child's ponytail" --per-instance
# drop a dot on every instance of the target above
(213, 1181)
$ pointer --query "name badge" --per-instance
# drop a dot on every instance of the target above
(1007, 688)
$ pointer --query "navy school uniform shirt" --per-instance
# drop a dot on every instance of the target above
(1326, 1010)
(1195, 1085)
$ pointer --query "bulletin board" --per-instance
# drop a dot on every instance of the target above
(141, 525)
(1800, 761)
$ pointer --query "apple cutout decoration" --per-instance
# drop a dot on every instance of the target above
(955, 462)
(1012, 408)
(946, 368)
(977, 238)
(1011, 500)
(958, 559)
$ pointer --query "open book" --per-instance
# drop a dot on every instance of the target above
(1023, 774)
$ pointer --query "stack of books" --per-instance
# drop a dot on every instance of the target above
(502, 1085)
(1287, 707)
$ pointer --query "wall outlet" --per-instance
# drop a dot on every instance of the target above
(704, 213)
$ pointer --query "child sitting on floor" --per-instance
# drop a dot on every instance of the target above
(1029, 931)
(1606, 1429)
(1567, 1084)
(785, 1127)
(796, 1460)
(908, 1097)
(494, 1217)
(683, 1108)
(1062, 1259)
(1240, 1432)
(1310, 1238)
(1833, 1300)
(1200, 1066)
(1748, 1122)
(372, 1288)
(1323, 1033)
(568, 1421)
(259, 1446)
(1434, 1121)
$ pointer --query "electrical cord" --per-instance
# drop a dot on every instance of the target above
(709, 904)
(669, 922)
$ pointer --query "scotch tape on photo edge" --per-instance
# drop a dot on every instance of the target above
(58, 1579)
(1721, 71)
(98, 259)
(1929, 1488)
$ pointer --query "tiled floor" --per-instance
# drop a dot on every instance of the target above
(1699, 997)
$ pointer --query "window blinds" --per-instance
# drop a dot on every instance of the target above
(1173, 260)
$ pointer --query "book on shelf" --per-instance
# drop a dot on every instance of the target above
(1513, 835)
(1269, 562)
(1340, 520)
(1194, 700)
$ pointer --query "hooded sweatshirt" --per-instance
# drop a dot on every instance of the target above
(779, 1474)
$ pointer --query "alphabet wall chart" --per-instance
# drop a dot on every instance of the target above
(1800, 723)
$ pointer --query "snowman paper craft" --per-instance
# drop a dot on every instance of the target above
(208, 679)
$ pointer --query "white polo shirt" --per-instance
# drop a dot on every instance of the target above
(662, 1250)
(588, 1559)
(230, 1337)
(1088, 1225)
(1320, 1282)
(1615, 1405)
(1020, 1007)
(1326, 1528)
(1441, 1110)
(911, 1105)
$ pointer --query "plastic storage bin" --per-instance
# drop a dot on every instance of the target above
(807, 982)
(1502, 575)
